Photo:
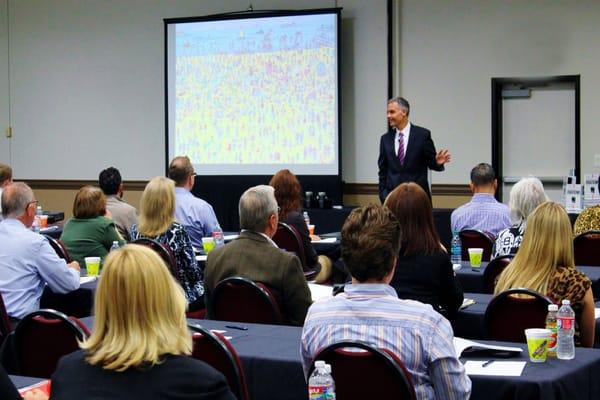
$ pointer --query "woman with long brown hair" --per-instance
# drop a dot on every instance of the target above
(289, 199)
(423, 271)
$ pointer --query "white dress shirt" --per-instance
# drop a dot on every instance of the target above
(406, 133)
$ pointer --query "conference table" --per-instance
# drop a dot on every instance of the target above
(271, 359)
(469, 322)
(471, 279)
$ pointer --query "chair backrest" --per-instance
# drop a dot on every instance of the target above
(353, 363)
(215, 350)
(240, 299)
(5, 325)
(586, 246)
(493, 270)
(59, 248)
(42, 338)
(511, 312)
(163, 251)
(474, 238)
(287, 238)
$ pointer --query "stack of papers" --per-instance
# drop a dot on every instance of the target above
(325, 240)
(460, 345)
(496, 368)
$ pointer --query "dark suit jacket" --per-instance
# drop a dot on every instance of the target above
(253, 257)
(420, 155)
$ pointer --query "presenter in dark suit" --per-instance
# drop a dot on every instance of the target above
(406, 151)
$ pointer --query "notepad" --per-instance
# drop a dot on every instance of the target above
(596, 313)
(325, 240)
(466, 303)
(496, 368)
(86, 279)
(201, 257)
(320, 291)
(461, 345)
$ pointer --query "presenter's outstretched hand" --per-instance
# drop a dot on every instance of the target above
(442, 157)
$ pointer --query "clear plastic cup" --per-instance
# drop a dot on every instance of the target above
(208, 243)
(311, 229)
(475, 255)
(537, 344)
(92, 265)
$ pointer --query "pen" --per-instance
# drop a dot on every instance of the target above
(239, 328)
(485, 364)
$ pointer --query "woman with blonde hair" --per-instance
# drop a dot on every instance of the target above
(157, 221)
(140, 344)
(525, 196)
(91, 232)
(545, 264)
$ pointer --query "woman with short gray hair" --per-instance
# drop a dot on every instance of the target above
(525, 196)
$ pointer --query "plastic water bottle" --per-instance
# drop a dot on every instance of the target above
(37, 220)
(218, 236)
(565, 321)
(455, 249)
(306, 218)
(552, 326)
(115, 245)
(320, 383)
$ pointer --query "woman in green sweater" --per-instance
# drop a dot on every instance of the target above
(91, 231)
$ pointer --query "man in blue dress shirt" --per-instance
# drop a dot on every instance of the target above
(369, 310)
(27, 262)
(196, 215)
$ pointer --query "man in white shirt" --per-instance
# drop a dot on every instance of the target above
(27, 262)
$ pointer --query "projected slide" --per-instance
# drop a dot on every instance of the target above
(255, 95)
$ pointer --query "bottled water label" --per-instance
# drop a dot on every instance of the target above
(565, 323)
(321, 393)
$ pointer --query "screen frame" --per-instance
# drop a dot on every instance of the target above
(249, 15)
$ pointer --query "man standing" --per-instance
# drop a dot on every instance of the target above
(27, 262)
(196, 215)
(483, 212)
(5, 180)
(369, 310)
(406, 151)
(124, 215)
(255, 256)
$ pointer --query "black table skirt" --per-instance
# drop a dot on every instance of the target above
(78, 303)
(271, 359)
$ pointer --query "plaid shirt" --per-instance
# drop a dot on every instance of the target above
(483, 213)
(418, 335)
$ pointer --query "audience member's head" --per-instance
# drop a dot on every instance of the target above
(547, 244)
(525, 196)
(258, 210)
(483, 179)
(89, 202)
(139, 312)
(181, 171)
(412, 208)
(5, 175)
(110, 182)
(287, 192)
(18, 202)
(370, 244)
(157, 207)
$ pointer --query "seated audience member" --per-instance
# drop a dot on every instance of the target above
(5, 180)
(589, 219)
(525, 196)
(195, 214)
(289, 198)
(140, 344)
(91, 232)
(545, 264)
(157, 221)
(369, 310)
(423, 271)
(483, 212)
(124, 215)
(255, 256)
(27, 262)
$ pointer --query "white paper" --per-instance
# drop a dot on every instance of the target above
(320, 291)
(325, 240)
(596, 313)
(86, 279)
(230, 237)
(461, 345)
(466, 303)
(201, 257)
(496, 368)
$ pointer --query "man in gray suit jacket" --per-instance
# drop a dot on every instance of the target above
(255, 256)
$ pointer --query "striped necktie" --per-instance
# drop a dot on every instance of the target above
(401, 148)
